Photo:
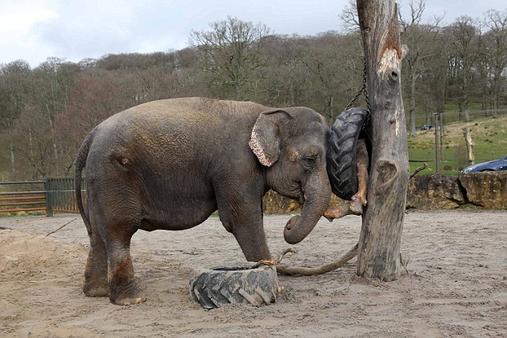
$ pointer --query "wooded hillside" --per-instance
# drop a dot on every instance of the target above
(46, 111)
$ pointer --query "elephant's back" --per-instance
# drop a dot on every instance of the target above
(187, 130)
(195, 109)
(190, 113)
(180, 118)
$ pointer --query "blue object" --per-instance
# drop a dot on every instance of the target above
(494, 165)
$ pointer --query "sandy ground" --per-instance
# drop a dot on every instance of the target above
(456, 286)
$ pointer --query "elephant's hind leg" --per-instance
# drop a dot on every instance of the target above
(122, 286)
(96, 284)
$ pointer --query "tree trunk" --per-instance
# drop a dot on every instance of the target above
(53, 139)
(465, 96)
(380, 239)
(13, 161)
(413, 79)
(32, 158)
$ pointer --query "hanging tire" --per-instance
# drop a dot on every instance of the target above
(220, 286)
(341, 155)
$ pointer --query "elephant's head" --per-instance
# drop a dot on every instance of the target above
(291, 144)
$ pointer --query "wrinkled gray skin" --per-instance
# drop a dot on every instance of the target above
(169, 164)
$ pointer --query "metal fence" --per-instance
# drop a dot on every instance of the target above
(51, 195)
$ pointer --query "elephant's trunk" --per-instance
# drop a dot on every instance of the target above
(317, 192)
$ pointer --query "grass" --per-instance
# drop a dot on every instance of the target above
(489, 136)
(451, 114)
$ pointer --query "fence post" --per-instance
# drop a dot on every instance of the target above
(438, 142)
(49, 197)
(467, 133)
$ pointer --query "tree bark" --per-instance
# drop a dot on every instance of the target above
(380, 239)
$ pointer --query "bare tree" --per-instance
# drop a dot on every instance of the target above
(413, 35)
(349, 18)
(496, 49)
(14, 91)
(229, 53)
(45, 111)
(462, 58)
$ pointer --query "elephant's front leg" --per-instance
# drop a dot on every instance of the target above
(241, 214)
(251, 238)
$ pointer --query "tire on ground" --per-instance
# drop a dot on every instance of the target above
(342, 150)
(220, 286)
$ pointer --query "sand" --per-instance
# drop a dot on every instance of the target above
(456, 283)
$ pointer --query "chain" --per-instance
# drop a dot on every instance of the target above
(362, 91)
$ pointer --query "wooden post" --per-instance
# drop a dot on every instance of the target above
(467, 132)
(380, 239)
(438, 143)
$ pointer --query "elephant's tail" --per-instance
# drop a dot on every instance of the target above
(82, 155)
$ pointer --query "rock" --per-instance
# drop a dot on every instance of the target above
(486, 189)
(434, 192)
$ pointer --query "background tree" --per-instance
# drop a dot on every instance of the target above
(229, 54)
(419, 38)
(495, 51)
(46, 111)
(462, 59)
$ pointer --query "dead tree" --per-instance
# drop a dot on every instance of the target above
(380, 239)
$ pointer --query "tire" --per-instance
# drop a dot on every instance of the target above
(221, 286)
(342, 150)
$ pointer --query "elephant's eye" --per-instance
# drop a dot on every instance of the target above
(309, 162)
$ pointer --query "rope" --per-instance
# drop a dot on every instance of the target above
(52, 232)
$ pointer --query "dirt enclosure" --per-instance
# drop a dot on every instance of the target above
(456, 283)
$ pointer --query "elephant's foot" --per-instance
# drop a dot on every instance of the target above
(127, 296)
(92, 289)
(95, 276)
(95, 284)
(129, 300)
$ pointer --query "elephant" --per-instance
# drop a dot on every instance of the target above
(169, 164)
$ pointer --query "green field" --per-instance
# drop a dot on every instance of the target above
(451, 114)
(489, 136)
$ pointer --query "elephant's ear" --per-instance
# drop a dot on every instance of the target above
(265, 138)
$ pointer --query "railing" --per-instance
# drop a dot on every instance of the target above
(22, 196)
(50, 195)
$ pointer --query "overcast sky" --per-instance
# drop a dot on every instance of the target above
(76, 29)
